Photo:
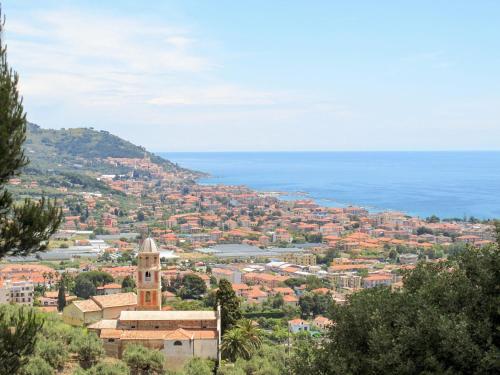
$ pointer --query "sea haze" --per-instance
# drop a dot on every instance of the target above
(448, 184)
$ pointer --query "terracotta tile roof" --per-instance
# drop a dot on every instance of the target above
(297, 321)
(222, 271)
(52, 294)
(264, 276)
(118, 299)
(110, 286)
(104, 324)
(110, 333)
(87, 305)
(378, 277)
(167, 315)
(237, 286)
(178, 334)
(255, 293)
(345, 267)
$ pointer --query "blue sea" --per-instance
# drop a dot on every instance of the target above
(447, 184)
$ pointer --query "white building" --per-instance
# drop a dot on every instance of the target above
(21, 292)
(297, 325)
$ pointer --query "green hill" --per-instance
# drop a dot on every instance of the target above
(82, 148)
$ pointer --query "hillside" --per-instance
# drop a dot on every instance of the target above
(67, 149)
(76, 158)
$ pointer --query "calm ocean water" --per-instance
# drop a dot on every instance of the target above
(448, 184)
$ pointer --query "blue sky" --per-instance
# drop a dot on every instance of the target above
(264, 75)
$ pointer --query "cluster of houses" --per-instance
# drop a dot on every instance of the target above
(190, 216)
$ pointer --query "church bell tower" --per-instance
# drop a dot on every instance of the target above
(148, 276)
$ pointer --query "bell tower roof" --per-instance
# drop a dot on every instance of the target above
(148, 246)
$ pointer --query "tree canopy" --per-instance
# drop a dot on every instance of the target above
(86, 283)
(445, 320)
(193, 287)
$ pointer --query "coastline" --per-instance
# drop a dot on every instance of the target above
(452, 195)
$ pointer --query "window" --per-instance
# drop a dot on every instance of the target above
(147, 276)
(111, 340)
(157, 327)
(177, 343)
(132, 327)
(148, 297)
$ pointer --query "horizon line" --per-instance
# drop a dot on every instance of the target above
(320, 151)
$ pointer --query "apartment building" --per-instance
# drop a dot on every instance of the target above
(300, 259)
(22, 292)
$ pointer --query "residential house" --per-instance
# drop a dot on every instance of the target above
(108, 289)
(298, 325)
(374, 280)
(322, 323)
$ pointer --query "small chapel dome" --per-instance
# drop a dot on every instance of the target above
(148, 246)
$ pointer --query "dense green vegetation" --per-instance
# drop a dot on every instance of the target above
(189, 286)
(76, 147)
(444, 321)
(86, 283)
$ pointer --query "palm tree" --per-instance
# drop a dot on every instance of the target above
(251, 333)
(241, 341)
(235, 345)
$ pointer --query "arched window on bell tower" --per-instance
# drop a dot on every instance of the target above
(147, 276)
(147, 298)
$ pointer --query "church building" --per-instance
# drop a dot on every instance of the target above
(179, 335)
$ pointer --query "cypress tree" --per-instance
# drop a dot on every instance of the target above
(24, 228)
(61, 297)
(229, 305)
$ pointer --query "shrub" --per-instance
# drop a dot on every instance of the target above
(89, 350)
(37, 366)
(199, 366)
(52, 351)
(103, 368)
(142, 360)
